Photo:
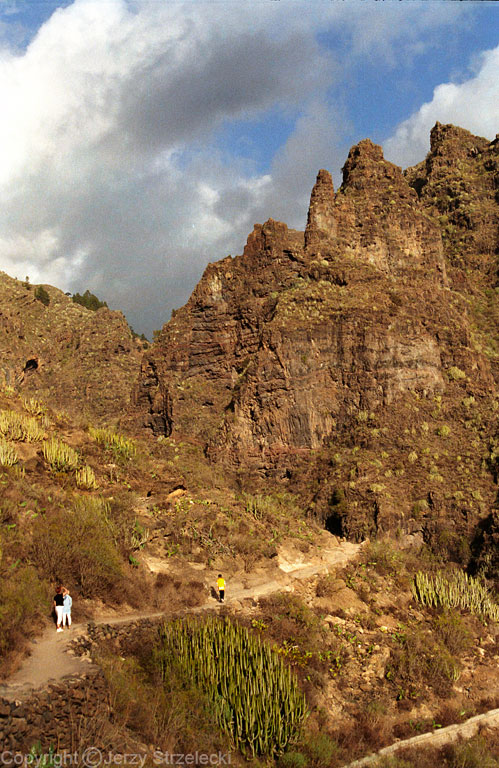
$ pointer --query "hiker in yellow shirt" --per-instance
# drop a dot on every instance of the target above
(221, 587)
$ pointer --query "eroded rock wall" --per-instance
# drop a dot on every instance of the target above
(310, 345)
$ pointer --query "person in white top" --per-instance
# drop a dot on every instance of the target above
(66, 607)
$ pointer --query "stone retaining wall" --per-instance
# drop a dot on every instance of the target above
(53, 716)
(126, 636)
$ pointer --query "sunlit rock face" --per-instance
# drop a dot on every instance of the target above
(282, 352)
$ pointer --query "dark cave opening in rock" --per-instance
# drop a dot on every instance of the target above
(31, 365)
(333, 524)
(338, 507)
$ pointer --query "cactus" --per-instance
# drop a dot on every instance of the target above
(19, 426)
(257, 701)
(60, 456)
(122, 448)
(8, 454)
(85, 478)
(33, 406)
(458, 590)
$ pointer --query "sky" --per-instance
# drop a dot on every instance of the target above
(142, 139)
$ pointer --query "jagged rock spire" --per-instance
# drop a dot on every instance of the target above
(320, 221)
(366, 169)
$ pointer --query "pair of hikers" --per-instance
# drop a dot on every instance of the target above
(62, 604)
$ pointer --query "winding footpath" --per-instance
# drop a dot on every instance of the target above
(50, 659)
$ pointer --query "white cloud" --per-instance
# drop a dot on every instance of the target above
(107, 126)
(109, 176)
(473, 104)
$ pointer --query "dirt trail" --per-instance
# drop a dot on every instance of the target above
(50, 659)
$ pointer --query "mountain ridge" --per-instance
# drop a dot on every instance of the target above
(356, 339)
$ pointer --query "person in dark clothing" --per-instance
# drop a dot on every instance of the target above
(58, 605)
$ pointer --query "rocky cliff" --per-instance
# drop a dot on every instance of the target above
(77, 359)
(350, 361)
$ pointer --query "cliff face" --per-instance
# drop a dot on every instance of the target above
(458, 184)
(311, 355)
(82, 361)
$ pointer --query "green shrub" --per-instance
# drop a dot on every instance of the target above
(293, 760)
(121, 447)
(20, 427)
(321, 750)
(451, 630)
(255, 696)
(42, 295)
(471, 754)
(455, 374)
(418, 660)
(443, 431)
(78, 547)
(384, 558)
(22, 597)
(172, 714)
(88, 300)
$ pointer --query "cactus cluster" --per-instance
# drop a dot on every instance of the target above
(256, 697)
(456, 590)
(85, 478)
(122, 448)
(8, 454)
(33, 406)
(19, 426)
(60, 456)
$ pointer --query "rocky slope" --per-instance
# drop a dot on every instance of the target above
(354, 362)
(77, 359)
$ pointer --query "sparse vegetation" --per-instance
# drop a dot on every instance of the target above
(457, 590)
(455, 374)
(23, 597)
(78, 546)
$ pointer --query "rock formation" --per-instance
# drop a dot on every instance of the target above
(325, 360)
(80, 360)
